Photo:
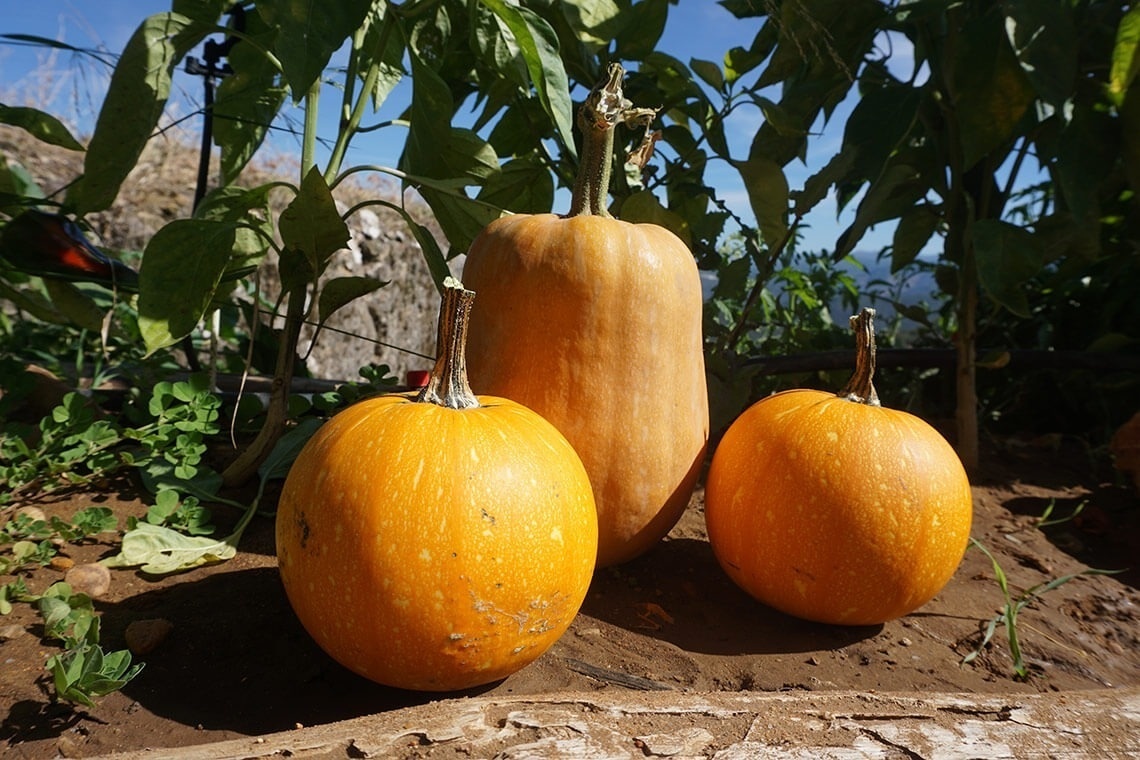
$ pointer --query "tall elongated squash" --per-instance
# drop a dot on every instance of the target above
(595, 323)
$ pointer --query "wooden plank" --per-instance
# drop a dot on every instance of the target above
(722, 725)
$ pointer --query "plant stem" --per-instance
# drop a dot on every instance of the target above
(277, 410)
(604, 109)
(448, 385)
(861, 386)
(309, 138)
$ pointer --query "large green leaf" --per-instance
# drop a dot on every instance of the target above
(767, 189)
(915, 228)
(181, 268)
(311, 224)
(1043, 35)
(461, 218)
(644, 207)
(524, 185)
(341, 291)
(430, 128)
(898, 188)
(384, 49)
(308, 34)
(42, 126)
(878, 125)
(135, 100)
(247, 100)
(1007, 257)
(989, 89)
(539, 46)
(1125, 55)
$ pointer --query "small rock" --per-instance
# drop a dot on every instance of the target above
(687, 742)
(904, 641)
(144, 636)
(62, 563)
(33, 513)
(9, 632)
(92, 579)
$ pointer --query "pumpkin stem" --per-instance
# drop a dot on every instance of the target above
(861, 386)
(604, 109)
(448, 385)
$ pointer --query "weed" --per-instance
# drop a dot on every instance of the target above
(1007, 615)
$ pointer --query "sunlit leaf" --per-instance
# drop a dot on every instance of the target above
(1044, 39)
(182, 266)
(42, 126)
(135, 100)
(524, 185)
(309, 33)
(539, 46)
(247, 100)
(1125, 55)
(311, 223)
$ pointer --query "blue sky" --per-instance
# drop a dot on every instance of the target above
(697, 28)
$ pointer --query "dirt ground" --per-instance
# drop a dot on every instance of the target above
(238, 664)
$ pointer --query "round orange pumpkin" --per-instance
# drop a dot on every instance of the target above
(835, 509)
(595, 323)
(438, 541)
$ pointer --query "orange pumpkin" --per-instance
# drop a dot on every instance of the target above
(835, 509)
(595, 323)
(437, 541)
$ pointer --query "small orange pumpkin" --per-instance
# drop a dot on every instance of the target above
(595, 323)
(835, 509)
(437, 541)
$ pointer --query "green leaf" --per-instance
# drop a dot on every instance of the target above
(899, 188)
(524, 185)
(1043, 35)
(461, 218)
(182, 266)
(383, 49)
(1007, 258)
(79, 308)
(247, 100)
(768, 194)
(311, 224)
(42, 126)
(1125, 59)
(308, 34)
(158, 550)
(878, 125)
(135, 100)
(644, 207)
(989, 88)
(341, 291)
(709, 72)
(819, 184)
(539, 46)
(276, 465)
(18, 185)
(914, 230)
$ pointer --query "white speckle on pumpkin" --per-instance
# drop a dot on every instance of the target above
(425, 555)
(402, 603)
(832, 436)
(474, 455)
(556, 534)
(419, 472)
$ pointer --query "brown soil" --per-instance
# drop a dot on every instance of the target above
(237, 663)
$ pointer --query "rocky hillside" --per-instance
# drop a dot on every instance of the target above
(389, 327)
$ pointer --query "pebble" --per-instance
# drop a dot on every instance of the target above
(62, 563)
(33, 513)
(92, 579)
(9, 632)
(144, 636)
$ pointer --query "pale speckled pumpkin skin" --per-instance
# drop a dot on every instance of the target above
(595, 323)
(436, 549)
(836, 511)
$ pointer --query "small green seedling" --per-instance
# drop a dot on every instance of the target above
(1007, 615)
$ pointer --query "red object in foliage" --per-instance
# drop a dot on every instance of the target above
(50, 245)
(418, 378)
